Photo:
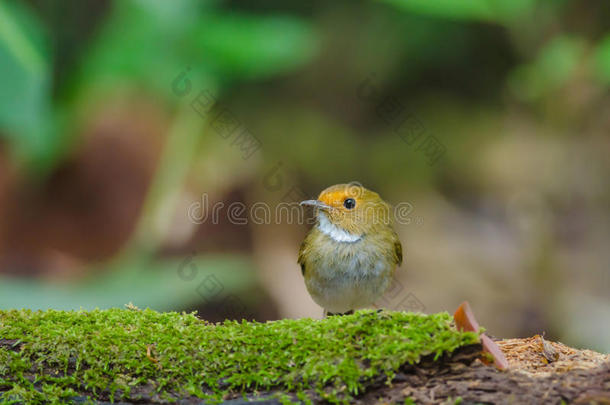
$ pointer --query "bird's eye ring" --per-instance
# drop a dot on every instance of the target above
(349, 203)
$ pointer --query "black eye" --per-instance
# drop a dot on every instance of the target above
(349, 203)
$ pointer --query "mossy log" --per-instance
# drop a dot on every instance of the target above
(143, 356)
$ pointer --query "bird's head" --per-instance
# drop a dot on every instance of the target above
(352, 208)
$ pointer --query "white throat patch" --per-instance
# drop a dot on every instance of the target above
(336, 233)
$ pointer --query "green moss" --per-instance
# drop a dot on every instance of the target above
(120, 353)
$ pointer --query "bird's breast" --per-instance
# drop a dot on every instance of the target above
(351, 260)
(342, 276)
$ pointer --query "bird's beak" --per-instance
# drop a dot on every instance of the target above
(316, 203)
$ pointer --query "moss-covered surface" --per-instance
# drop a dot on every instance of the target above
(129, 354)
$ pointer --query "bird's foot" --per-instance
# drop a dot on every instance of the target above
(326, 313)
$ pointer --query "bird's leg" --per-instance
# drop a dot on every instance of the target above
(327, 314)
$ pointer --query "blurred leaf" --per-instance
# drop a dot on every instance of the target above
(146, 45)
(602, 60)
(143, 46)
(484, 10)
(251, 46)
(25, 82)
(163, 286)
(553, 67)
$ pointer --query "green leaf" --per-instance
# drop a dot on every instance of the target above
(148, 46)
(481, 10)
(602, 60)
(167, 285)
(25, 80)
(142, 45)
(241, 45)
(553, 67)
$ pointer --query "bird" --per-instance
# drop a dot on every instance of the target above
(350, 255)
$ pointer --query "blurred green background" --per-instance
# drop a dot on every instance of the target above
(119, 118)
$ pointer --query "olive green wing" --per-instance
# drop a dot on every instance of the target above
(397, 251)
(301, 259)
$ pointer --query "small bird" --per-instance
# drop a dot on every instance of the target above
(349, 257)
